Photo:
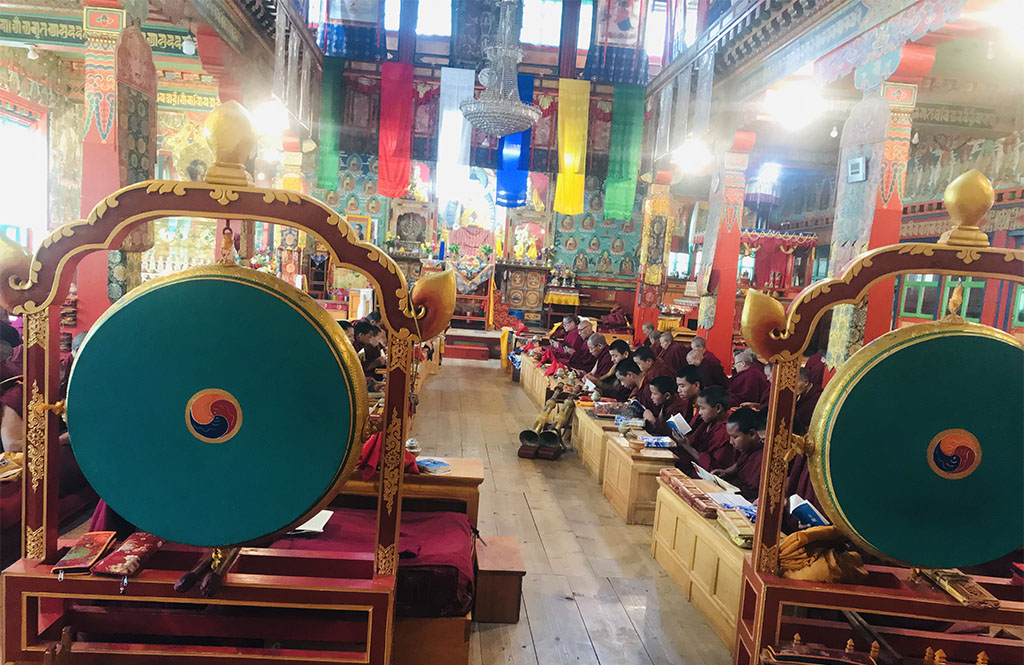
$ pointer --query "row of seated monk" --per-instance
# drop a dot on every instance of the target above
(370, 341)
(664, 377)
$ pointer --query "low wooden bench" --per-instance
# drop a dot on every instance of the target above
(499, 581)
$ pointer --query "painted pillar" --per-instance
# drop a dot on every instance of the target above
(869, 211)
(407, 30)
(214, 54)
(715, 320)
(100, 162)
(660, 216)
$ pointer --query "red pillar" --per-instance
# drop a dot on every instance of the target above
(716, 325)
(900, 91)
(990, 308)
(100, 167)
(569, 37)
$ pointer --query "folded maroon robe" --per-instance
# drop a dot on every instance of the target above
(678, 405)
(712, 442)
(711, 371)
(805, 404)
(748, 472)
(674, 356)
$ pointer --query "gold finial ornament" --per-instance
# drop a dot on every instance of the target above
(875, 648)
(229, 132)
(940, 657)
(929, 656)
(14, 262)
(982, 659)
(849, 645)
(968, 199)
(797, 640)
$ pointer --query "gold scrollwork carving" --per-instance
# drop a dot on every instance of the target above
(768, 560)
(400, 350)
(37, 328)
(166, 187)
(223, 195)
(34, 544)
(968, 256)
(384, 560)
(285, 197)
(777, 466)
(789, 372)
(391, 466)
(35, 435)
(102, 207)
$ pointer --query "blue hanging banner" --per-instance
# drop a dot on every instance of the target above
(514, 157)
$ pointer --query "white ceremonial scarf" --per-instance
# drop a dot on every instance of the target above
(453, 135)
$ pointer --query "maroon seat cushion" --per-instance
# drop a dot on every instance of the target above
(435, 567)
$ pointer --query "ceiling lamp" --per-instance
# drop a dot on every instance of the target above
(498, 111)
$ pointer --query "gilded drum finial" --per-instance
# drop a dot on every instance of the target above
(968, 199)
(229, 132)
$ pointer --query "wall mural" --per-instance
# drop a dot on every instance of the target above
(357, 193)
(938, 160)
(601, 252)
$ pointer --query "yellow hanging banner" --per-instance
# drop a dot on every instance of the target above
(573, 119)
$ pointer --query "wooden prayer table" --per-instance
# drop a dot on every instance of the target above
(701, 559)
(461, 485)
(630, 480)
(589, 435)
(531, 376)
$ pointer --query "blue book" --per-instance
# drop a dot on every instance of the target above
(433, 467)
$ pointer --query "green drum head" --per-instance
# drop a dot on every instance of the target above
(215, 407)
(919, 446)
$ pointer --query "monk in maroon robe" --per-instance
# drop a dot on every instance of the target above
(708, 443)
(651, 338)
(673, 353)
(710, 366)
(815, 364)
(745, 472)
(663, 394)
(807, 396)
(749, 386)
(631, 377)
(581, 359)
(689, 384)
(607, 384)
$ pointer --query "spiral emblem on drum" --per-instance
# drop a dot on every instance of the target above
(954, 453)
(213, 415)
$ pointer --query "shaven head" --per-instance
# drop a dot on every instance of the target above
(742, 427)
(596, 342)
(648, 328)
(586, 328)
(569, 322)
(803, 382)
(713, 404)
(662, 388)
(698, 343)
(666, 339)
(628, 373)
(644, 357)
(744, 359)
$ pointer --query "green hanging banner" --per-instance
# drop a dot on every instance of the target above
(331, 111)
(624, 151)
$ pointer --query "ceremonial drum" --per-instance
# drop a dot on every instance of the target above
(218, 406)
(919, 445)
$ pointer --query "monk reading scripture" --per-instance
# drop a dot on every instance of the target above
(749, 386)
(710, 366)
(709, 444)
(745, 472)
(668, 403)
(632, 377)
(673, 353)
(581, 359)
(603, 364)
(606, 383)
(689, 384)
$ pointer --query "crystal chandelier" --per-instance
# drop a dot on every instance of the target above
(498, 111)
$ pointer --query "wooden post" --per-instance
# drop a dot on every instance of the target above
(570, 35)
(407, 30)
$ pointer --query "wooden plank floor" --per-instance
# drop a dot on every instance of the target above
(593, 593)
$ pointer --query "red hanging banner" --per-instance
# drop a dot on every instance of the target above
(395, 143)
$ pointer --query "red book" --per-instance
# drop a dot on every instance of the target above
(83, 554)
(129, 558)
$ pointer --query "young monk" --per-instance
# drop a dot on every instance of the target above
(606, 383)
(709, 445)
(689, 384)
(749, 386)
(807, 396)
(745, 472)
(673, 353)
(710, 366)
(632, 377)
(668, 403)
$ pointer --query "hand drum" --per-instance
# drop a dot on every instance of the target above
(216, 407)
(919, 445)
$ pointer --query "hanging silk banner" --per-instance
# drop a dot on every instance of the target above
(331, 104)
(514, 157)
(395, 141)
(453, 132)
(573, 118)
(624, 151)
(702, 101)
(616, 53)
(348, 28)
